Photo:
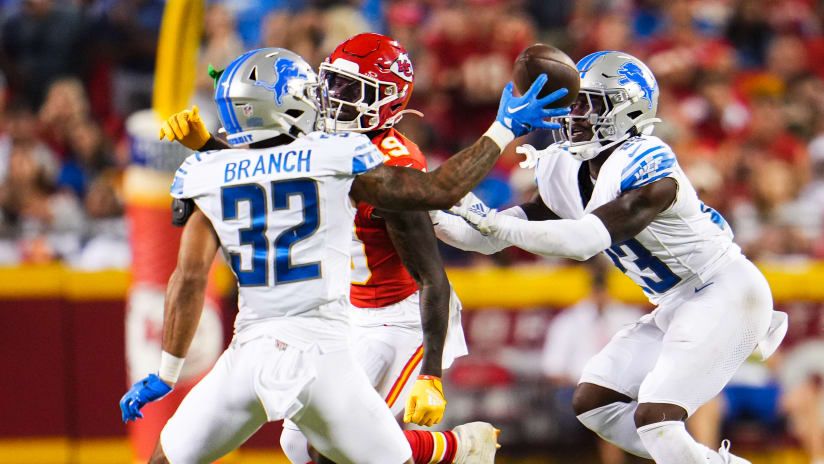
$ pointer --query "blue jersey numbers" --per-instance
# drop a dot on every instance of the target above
(255, 235)
(285, 271)
(665, 278)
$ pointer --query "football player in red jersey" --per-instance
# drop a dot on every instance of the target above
(406, 316)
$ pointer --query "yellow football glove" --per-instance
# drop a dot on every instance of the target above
(187, 128)
(426, 403)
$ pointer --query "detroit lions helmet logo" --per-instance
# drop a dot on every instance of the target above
(631, 72)
(285, 71)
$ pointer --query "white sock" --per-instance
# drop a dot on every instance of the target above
(293, 443)
(615, 423)
(669, 443)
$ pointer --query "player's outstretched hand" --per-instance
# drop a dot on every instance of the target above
(531, 155)
(426, 403)
(187, 128)
(523, 114)
(476, 213)
(152, 388)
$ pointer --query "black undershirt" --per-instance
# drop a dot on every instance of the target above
(585, 186)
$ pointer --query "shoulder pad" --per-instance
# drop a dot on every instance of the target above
(182, 208)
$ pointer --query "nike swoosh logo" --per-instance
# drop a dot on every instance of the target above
(517, 108)
(698, 289)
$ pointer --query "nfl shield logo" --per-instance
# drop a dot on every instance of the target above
(247, 110)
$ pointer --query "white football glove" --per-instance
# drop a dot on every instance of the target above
(435, 216)
(476, 214)
(531, 156)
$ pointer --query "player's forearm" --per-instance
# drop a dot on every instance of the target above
(214, 144)
(412, 236)
(463, 172)
(578, 239)
(434, 322)
(185, 295)
(399, 189)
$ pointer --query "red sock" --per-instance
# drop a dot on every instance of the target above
(432, 447)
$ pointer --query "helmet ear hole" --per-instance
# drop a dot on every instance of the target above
(295, 113)
(634, 114)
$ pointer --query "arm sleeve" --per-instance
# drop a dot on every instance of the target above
(579, 239)
(453, 230)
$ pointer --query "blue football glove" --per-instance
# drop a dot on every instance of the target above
(523, 114)
(147, 390)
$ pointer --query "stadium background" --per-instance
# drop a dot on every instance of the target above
(742, 98)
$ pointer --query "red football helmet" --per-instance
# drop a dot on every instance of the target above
(368, 81)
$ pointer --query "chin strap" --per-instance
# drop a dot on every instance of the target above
(642, 126)
(591, 150)
(415, 112)
(395, 119)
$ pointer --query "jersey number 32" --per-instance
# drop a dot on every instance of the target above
(255, 235)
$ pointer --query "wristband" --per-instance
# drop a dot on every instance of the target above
(170, 367)
(499, 134)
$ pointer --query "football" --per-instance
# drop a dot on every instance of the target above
(560, 70)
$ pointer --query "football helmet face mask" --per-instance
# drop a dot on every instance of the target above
(368, 80)
(618, 94)
(265, 93)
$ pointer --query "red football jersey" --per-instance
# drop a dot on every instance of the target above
(378, 276)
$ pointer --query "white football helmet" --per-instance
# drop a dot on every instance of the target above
(265, 93)
(626, 89)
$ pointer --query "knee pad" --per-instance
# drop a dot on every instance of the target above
(615, 423)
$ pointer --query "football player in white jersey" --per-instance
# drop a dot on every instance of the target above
(613, 187)
(405, 325)
(282, 213)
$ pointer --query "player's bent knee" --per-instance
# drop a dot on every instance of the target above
(651, 413)
(588, 396)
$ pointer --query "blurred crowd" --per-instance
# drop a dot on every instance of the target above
(742, 99)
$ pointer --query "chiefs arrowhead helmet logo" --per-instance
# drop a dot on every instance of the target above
(402, 67)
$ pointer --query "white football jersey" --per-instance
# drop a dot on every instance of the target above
(284, 219)
(687, 240)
